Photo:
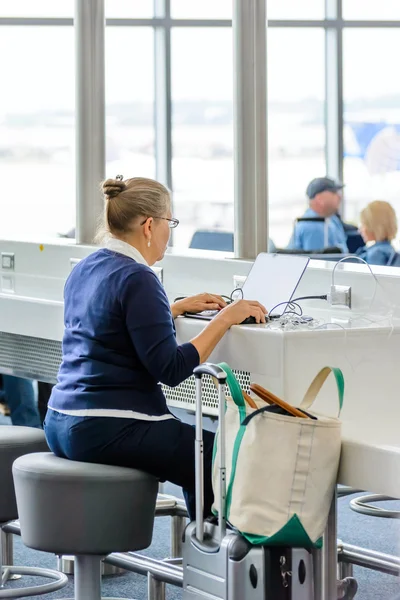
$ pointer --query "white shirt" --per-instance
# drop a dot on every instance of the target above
(124, 248)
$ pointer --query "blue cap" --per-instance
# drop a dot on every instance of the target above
(322, 184)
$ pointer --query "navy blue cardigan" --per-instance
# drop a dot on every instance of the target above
(119, 340)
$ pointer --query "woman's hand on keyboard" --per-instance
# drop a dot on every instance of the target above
(198, 303)
(240, 310)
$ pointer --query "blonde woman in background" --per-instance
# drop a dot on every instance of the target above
(378, 228)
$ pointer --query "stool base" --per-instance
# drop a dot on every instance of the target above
(60, 580)
(87, 581)
(66, 565)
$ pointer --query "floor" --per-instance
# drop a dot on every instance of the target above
(374, 533)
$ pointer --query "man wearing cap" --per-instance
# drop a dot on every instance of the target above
(321, 227)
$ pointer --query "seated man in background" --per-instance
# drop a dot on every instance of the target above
(325, 197)
(378, 228)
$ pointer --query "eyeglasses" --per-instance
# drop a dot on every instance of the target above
(172, 223)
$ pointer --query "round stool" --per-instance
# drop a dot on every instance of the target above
(85, 510)
(14, 443)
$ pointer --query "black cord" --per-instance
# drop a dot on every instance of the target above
(323, 297)
(292, 304)
(236, 290)
(229, 299)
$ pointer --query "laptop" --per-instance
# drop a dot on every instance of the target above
(273, 279)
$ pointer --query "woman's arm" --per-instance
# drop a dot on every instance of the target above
(150, 326)
(233, 314)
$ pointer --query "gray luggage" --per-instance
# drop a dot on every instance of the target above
(218, 562)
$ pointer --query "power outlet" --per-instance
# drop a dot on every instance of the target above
(340, 295)
(8, 261)
(238, 281)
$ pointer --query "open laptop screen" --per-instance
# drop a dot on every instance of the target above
(274, 278)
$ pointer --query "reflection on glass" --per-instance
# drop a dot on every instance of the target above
(135, 9)
(372, 119)
(37, 131)
(130, 102)
(202, 131)
(384, 10)
(296, 128)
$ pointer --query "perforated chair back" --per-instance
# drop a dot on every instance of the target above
(394, 260)
(208, 239)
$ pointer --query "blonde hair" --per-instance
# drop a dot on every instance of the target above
(379, 218)
(126, 200)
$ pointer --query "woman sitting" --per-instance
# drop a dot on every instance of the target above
(378, 228)
(119, 344)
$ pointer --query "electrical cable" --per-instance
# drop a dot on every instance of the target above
(322, 297)
(229, 299)
(356, 317)
(347, 258)
(293, 306)
(352, 257)
(294, 303)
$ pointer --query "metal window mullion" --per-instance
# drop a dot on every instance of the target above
(250, 114)
(90, 115)
(334, 90)
(162, 94)
(261, 124)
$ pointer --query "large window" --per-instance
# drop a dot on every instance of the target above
(185, 120)
(130, 102)
(37, 131)
(296, 130)
(384, 10)
(201, 9)
(296, 9)
(202, 130)
(114, 9)
(372, 118)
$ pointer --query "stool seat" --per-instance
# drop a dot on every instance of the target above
(14, 442)
(69, 507)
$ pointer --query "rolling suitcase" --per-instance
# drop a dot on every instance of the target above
(218, 562)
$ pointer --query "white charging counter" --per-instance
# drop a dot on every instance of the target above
(364, 342)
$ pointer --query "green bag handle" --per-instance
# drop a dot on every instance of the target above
(237, 397)
(318, 382)
(234, 387)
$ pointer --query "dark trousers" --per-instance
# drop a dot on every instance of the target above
(44, 393)
(163, 448)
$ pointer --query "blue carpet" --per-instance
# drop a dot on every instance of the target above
(378, 534)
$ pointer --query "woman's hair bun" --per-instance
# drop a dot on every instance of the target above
(113, 187)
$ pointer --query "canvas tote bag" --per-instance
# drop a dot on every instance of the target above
(281, 470)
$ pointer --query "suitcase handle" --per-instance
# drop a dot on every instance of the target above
(220, 376)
